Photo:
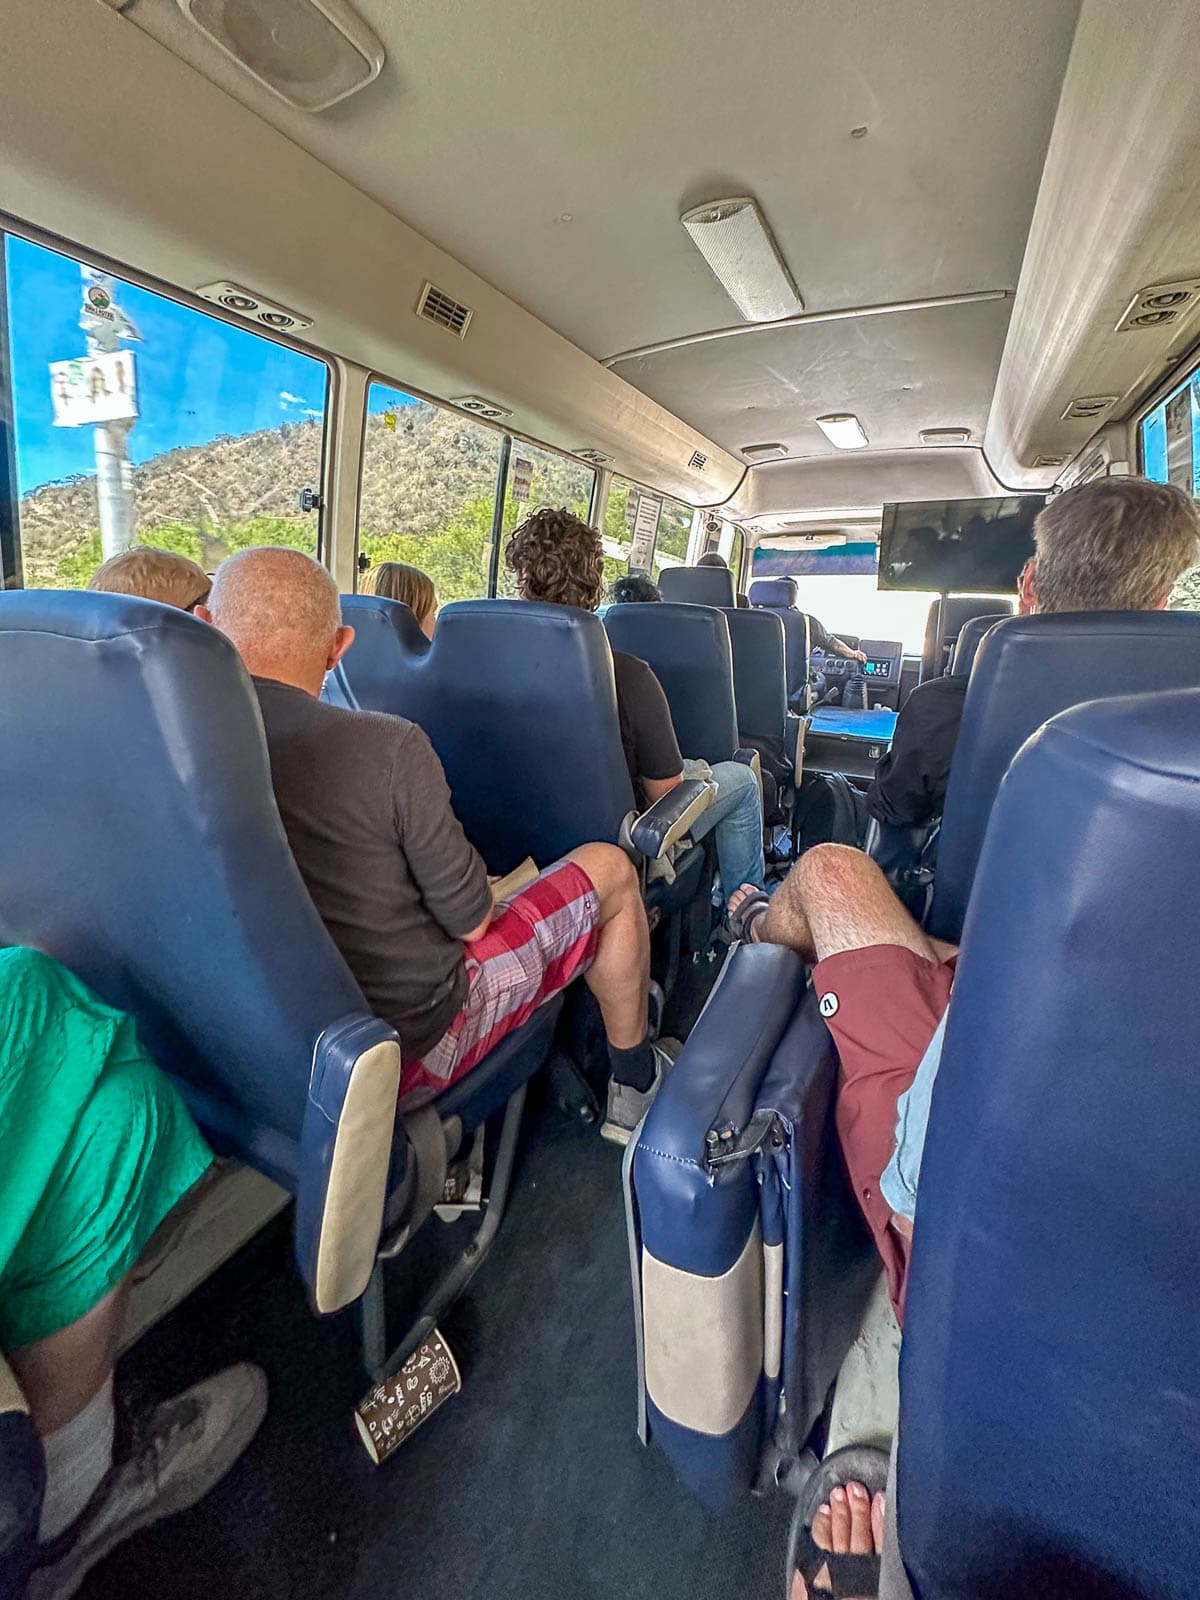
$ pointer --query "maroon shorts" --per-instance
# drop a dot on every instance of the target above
(542, 939)
(882, 1005)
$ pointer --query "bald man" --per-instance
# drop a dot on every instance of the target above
(406, 898)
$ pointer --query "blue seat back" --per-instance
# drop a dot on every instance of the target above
(697, 586)
(970, 637)
(519, 702)
(779, 594)
(946, 620)
(760, 692)
(778, 1231)
(1028, 669)
(1049, 1384)
(142, 848)
(687, 648)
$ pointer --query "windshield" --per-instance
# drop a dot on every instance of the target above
(851, 603)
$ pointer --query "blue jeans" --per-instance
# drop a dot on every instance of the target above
(736, 818)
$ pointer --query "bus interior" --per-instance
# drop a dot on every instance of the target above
(779, 285)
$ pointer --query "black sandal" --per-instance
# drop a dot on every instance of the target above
(741, 921)
(849, 1576)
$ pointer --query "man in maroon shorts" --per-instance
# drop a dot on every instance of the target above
(405, 897)
(883, 986)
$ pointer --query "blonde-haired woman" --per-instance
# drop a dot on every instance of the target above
(396, 580)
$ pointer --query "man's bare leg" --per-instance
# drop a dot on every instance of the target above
(61, 1374)
(835, 898)
(619, 977)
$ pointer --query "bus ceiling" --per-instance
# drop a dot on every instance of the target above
(961, 215)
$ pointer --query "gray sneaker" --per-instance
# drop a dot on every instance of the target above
(627, 1106)
(187, 1446)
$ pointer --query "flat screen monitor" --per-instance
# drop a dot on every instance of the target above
(957, 546)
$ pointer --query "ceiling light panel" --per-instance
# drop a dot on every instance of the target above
(733, 237)
(843, 430)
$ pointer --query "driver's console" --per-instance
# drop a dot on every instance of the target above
(878, 675)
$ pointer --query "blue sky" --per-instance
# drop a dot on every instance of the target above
(197, 377)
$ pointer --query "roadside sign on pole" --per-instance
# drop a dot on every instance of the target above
(92, 390)
(645, 532)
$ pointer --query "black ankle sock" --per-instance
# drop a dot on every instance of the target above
(635, 1067)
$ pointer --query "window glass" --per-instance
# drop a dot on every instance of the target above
(428, 491)
(851, 603)
(537, 478)
(204, 434)
(1169, 437)
(674, 530)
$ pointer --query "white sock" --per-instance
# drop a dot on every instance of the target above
(77, 1457)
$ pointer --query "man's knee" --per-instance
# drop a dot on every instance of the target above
(612, 874)
(834, 870)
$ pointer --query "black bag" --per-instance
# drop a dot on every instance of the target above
(829, 810)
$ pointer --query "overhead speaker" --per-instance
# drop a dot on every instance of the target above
(311, 53)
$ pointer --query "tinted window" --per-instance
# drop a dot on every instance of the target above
(537, 478)
(205, 433)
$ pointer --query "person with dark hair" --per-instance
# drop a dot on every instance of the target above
(556, 557)
(713, 558)
(633, 588)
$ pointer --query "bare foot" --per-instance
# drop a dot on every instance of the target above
(850, 1523)
(739, 898)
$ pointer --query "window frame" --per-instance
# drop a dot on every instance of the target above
(1180, 374)
(508, 440)
(73, 251)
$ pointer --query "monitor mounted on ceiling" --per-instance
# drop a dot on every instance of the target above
(957, 546)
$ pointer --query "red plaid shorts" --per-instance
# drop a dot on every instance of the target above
(541, 940)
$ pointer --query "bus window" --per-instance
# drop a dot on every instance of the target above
(537, 478)
(674, 529)
(1169, 444)
(142, 421)
(428, 491)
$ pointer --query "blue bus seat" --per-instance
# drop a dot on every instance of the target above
(336, 690)
(752, 1264)
(756, 641)
(144, 850)
(1028, 669)
(687, 647)
(970, 637)
(381, 627)
(22, 1487)
(1049, 1384)
(781, 596)
(945, 622)
(698, 586)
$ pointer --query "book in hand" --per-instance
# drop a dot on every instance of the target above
(504, 888)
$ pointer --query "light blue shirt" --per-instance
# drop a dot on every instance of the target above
(903, 1171)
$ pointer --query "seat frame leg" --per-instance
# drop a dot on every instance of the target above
(377, 1359)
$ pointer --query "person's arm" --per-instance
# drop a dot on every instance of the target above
(656, 749)
(909, 787)
(445, 867)
(839, 647)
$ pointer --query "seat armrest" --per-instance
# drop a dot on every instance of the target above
(668, 819)
(796, 729)
(345, 1154)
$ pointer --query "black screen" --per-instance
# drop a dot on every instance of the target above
(957, 546)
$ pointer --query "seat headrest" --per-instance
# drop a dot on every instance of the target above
(687, 647)
(519, 702)
(1053, 1302)
(697, 586)
(780, 593)
(1028, 669)
(970, 637)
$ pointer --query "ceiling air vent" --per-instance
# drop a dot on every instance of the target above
(763, 452)
(943, 436)
(596, 457)
(436, 306)
(1087, 407)
(479, 407)
(1048, 461)
(254, 307)
(1160, 305)
(698, 460)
